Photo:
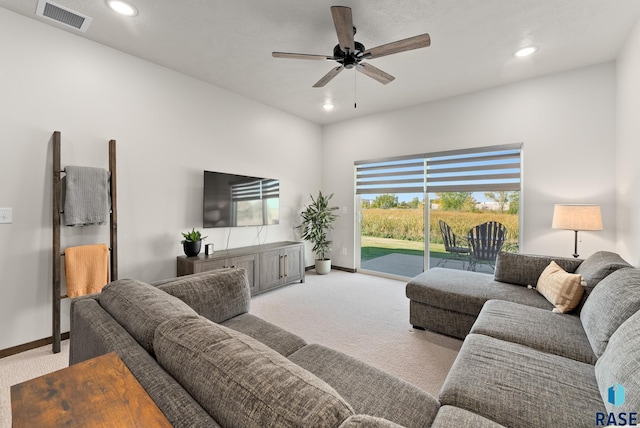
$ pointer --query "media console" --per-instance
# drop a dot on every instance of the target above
(268, 266)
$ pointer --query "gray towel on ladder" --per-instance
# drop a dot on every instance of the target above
(87, 196)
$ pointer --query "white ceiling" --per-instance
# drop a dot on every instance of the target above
(228, 43)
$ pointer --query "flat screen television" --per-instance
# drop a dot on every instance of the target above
(232, 200)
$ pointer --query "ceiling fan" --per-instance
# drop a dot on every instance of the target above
(349, 53)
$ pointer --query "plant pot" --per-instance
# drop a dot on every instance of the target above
(191, 248)
(323, 266)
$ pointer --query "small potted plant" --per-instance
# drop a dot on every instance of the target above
(192, 242)
(317, 219)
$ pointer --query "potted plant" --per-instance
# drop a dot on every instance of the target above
(317, 219)
(192, 242)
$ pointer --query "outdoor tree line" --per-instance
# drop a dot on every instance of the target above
(507, 202)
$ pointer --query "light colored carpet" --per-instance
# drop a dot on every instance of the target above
(364, 316)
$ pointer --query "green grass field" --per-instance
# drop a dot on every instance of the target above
(376, 247)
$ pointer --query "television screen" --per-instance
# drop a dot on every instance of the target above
(232, 200)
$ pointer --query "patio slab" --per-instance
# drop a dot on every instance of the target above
(409, 266)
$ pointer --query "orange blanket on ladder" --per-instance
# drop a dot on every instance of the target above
(86, 268)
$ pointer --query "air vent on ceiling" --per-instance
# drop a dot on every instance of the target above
(63, 15)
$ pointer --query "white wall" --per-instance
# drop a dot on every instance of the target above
(628, 148)
(168, 127)
(566, 122)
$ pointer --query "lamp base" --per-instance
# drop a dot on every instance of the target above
(575, 245)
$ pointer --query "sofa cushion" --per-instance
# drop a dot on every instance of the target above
(466, 292)
(369, 390)
(619, 366)
(455, 417)
(518, 386)
(537, 328)
(597, 267)
(525, 269)
(614, 299)
(242, 382)
(217, 295)
(564, 290)
(140, 308)
(274, 337)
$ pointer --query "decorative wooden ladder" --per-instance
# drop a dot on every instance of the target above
(57, 211)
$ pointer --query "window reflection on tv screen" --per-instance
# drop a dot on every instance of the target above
(232, 200)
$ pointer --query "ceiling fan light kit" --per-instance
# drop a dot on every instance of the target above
(350, 53)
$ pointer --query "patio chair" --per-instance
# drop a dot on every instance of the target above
(485, 242)
(453, 245)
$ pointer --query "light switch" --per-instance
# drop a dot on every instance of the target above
(344, 210)
(6, 215)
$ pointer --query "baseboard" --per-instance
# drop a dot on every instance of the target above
(31, 345)
(350, 270)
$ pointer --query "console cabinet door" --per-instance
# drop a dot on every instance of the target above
(270, 269)
(293, 263)
(250, 265)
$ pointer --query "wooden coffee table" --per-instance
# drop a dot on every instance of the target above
(100, 392)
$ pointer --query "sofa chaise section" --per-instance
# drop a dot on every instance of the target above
(449, 301)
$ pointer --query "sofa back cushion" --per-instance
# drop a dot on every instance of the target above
(140, 308)
(242, 382)
(597, 267)
(611, 303)
(525, 269)
(619, 366)
(217, 295)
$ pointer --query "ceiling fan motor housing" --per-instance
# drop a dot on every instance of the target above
(351, 59)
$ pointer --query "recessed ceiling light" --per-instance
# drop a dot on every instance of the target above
(122, 7)
(525, 51)
(328, 106)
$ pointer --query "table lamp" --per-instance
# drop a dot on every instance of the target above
(577, 217)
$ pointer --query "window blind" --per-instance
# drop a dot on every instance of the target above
(406, 175)
(493, 168)
(255, 190)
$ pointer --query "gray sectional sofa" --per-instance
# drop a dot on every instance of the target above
(522, 365)
(207, 362)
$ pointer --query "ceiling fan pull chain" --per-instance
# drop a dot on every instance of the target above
(355, 92)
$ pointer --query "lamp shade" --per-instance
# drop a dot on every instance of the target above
(577, 217)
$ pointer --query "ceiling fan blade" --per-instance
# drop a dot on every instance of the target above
(344, 26)
(416, 42)
(327, 77)
(375, 73)
(301, 56)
